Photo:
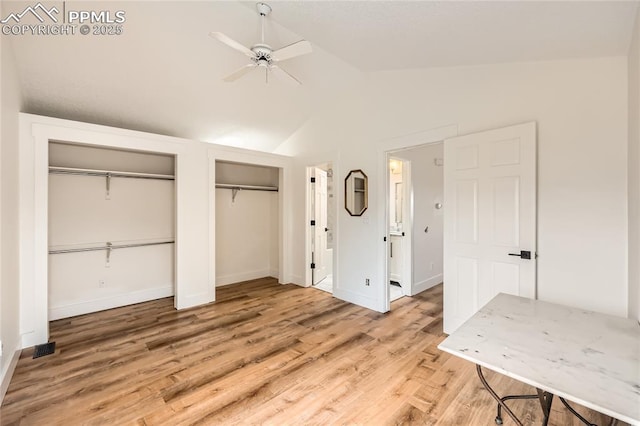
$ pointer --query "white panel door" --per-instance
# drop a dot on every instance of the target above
(489, 219)
(320, 228)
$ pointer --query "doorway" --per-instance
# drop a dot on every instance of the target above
(399, 220)
(415, 214)
(321, 220)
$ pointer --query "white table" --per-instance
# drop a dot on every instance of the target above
(585, 357)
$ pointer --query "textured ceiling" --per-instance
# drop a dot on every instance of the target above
(163, 74)
(384, 35)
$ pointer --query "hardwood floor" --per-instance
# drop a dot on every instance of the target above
(262, 354)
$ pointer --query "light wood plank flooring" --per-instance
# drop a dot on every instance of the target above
(262, 354)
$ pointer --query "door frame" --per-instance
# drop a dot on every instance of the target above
(406, 267)
(386, 146)
(308, 214)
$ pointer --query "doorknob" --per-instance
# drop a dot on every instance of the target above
(522, 255)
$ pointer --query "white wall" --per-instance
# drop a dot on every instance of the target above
(9, 289)
(581, 110)
(634, 172)
(90, 157)
(82, 216)
(427, 183)
(246, 229)
(245, 245)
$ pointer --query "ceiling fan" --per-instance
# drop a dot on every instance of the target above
(261, 54)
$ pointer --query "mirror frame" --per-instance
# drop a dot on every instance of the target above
(365, 191)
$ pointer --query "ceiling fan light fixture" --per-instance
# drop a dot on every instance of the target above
(261, 54)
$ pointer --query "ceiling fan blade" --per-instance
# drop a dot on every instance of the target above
(298, 48)
(239, 73)
(232, 44)
(284, 75)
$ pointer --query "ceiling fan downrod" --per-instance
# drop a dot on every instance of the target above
(264, 10)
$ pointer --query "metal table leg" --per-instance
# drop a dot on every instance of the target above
(582, 419)
(501, 404)
(544, 397)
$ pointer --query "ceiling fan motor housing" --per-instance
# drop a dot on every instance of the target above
(263, 54)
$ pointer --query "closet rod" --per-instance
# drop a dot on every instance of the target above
(249, 187)
(109, 247)
(95, 172)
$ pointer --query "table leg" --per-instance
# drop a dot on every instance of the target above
(510, 397)
(546, 399)
(501, 404)
(582, 419)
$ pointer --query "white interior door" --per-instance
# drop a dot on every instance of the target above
(320, 227)
(489, 218)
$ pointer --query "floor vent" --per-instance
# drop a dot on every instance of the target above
(44, 349)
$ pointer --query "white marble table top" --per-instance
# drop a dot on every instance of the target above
(585, 357)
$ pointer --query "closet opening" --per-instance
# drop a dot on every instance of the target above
(111, 223)
(247, 222)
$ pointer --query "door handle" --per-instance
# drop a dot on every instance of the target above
(522, 255)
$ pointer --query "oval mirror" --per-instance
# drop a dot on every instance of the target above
(356, 192)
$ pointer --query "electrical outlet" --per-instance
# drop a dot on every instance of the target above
(101, 284)
(431, 266)
(366, 281)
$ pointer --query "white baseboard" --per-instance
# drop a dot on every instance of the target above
(297, 280)
(7, 374)
(88, 306)
(421, 286)
(358, 299)
(274, 273)
(191, 300)
(242, 276)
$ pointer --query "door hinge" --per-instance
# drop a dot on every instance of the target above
(313, 223)
(313, 180)
(313, 266)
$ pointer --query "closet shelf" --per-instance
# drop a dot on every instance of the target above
(247, 187)
(110, 246)
(108, 173)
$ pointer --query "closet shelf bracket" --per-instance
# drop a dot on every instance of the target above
(108, 195)
(109, 249)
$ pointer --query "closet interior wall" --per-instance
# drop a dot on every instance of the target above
(246, 222)
(92, 211)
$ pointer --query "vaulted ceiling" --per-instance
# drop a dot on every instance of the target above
(164, 73)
